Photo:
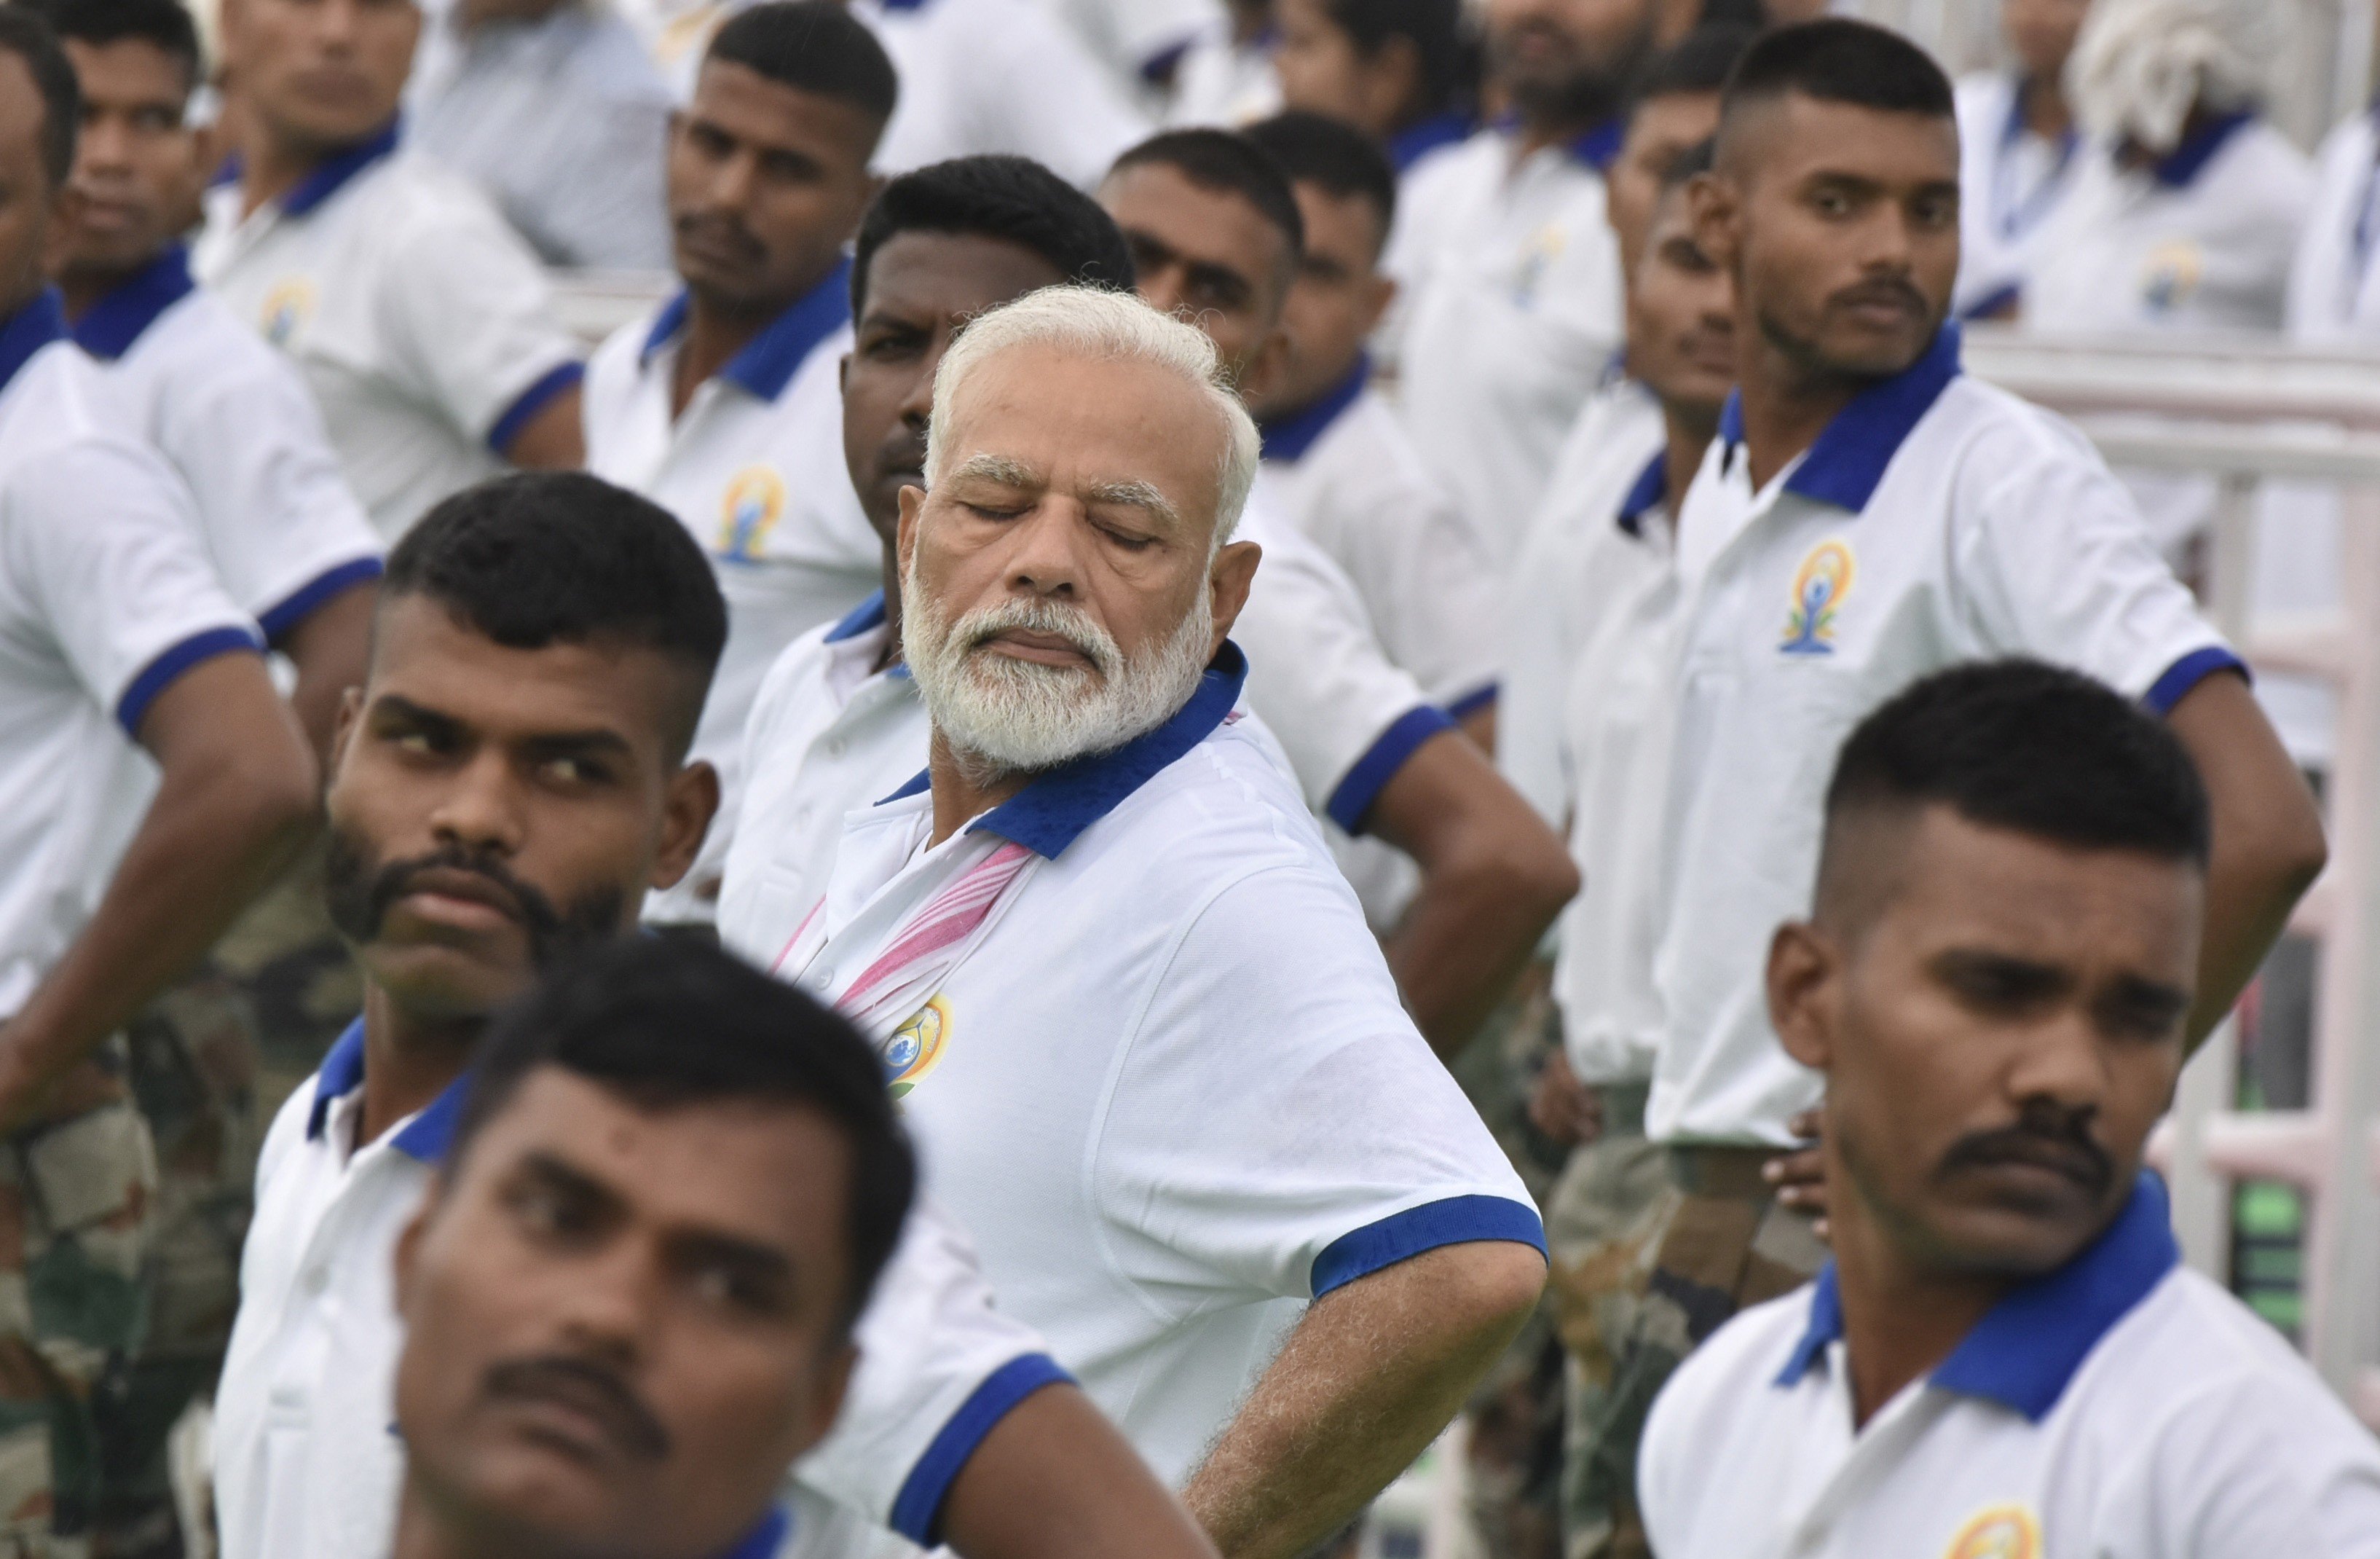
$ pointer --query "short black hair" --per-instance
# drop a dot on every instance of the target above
(1231, 162)
(31, 39)
(545, 558)
(1014, 200)
(2031, 748)
(1340, 159)
(667, 1022)
(1836, 59)
(165, 24)
(812, 47)
(1435, 28)
(1698, 63)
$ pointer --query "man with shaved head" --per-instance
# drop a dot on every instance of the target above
(1153, 1059)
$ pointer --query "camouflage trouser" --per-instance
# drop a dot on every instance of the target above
(1728, 1245)
(211, 1062)
(74, 1201)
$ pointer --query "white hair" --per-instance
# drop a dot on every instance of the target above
(2140, 65)
(1105, 326)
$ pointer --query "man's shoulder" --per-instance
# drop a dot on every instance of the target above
(2235, 1356)
(197, 349)
(1221, 813)
(415, 210)
(1976, 432)
(1368, 450)
(59, 415)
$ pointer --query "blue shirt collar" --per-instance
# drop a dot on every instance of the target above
(1599, 146)
(768, 361)
(28, 330)
(868, 615)
(2028, 1347)
(2181, 168)
(1051, 812)
(1421, 138)
(1651, 491)
(108, 327)
(1850, 457)
(764, 1540)
(425, 1136)
(334, 174)
(1288, 437)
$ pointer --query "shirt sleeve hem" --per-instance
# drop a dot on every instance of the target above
(2179, 679)
(918, 1508)
(161, 672)
(302, 602)
(530, 402)
(1403, 1236)
(1371, 773)
(1473, 701)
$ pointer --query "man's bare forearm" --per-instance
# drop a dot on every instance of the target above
(1365, 1382)
(1054, 1480)
(235, 804)
(1493, 878)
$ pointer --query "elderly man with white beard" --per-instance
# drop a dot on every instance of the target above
(1151, 1056)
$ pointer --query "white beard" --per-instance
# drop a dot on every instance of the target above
(1002, 715)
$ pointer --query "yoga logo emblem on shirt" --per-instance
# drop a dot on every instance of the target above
(916, 1046)
(755, 496)
(2170, 275)
(2004, 1531)
(287, 309)
(1819, 585)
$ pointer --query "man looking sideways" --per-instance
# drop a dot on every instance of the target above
(2005, 1355)
(1151, 1056)
(124, 668)
(509, 782)
(1216, 234)
(629, 1292)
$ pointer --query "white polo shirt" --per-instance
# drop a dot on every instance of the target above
(236, 420)
(1164, 1078)
(1344, 472)
(1513, 277)
(753, 467)
(1616, 729)
(2010, 180)
(421, 321)
(106, 597)
(1545, 620)
(2121, 1407)
(307, 1461)
(2331, 278)
(1935, 520)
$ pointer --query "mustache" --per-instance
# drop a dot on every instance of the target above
(1882, 289)
(2045, 1135)
(582, 1384)
(728, 229)
(1075, 627)
(358, 896)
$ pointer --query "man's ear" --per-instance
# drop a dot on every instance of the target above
(1380, 292)
(905, 540)
(351, 712)
(689, 804)
(1805, 972)
(1234, 570)
(835, 1383)
(1717, 208)
(1260, 377)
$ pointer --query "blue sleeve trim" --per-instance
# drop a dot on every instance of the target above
(1473, 701)
(917, 1509)
(159, 674)
(2187, 673)
(533, 401)
(1403, 1236)
(1372, 771)
(303, 601)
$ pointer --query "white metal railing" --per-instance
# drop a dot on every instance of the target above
(2242, 410)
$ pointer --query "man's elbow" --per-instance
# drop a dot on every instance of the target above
(1498, 1284)
(1516, 861)
(2283, 847)
(270, 800)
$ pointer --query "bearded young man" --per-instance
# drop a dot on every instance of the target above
(1153, 1057)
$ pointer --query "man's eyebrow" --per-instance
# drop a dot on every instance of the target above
(1005, 470)
(543, 1164)
(1135, 494)
(569, 744)
(401, 708)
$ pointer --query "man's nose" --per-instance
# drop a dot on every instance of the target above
(1044, 557)
(479, 809)
(2060, 1062)
(1161, 288)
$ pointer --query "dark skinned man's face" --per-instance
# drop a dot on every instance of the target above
(1212, 258)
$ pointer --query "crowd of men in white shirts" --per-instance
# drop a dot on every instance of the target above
(1117, 815)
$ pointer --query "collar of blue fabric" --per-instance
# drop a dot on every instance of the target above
(1598, 147)
(1421, 138)
(865, 617)
(2181, 168)
(768, 361)
(1051, 812)
(1288, 438)
(765, 1538)
(28, 330)
(1652, 490)
(1849, 458)
(334, 174)
(2027, 1347)
(108, 327)
(425, 1136)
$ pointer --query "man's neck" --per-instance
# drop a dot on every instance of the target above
(472, 15)
(1786, 406)
(1689, 427)
(961, 793)
(83, 285)
(1901, 1319)
(1560, 117)
(2044, 106)
(271, 164)
(424, 1531)
(409, 1061)
(892, 651)
(717, 330)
